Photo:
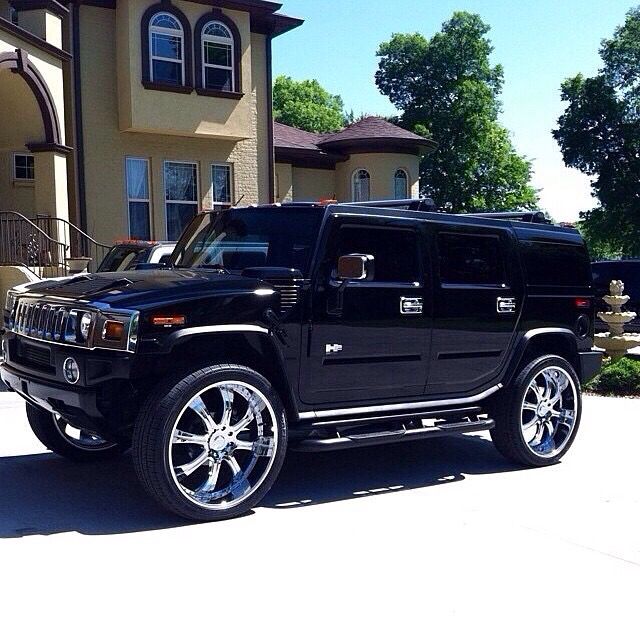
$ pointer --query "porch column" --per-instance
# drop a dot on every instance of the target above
(51, 185)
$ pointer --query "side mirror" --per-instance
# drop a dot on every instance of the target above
(355, 266)
(165, 260)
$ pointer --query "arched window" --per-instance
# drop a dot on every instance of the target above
(218, 54)
(361, 186)
(166, 49)
(400, 185)
(217, 57)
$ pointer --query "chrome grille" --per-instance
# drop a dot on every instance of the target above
(39, 319)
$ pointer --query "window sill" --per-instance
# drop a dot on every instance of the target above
(160, 86)
(24, 182)
(215, 93)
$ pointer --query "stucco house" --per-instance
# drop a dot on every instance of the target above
(126, 117)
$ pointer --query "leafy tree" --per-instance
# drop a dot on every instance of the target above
(447, 89)
(307, 105)
(599, 134)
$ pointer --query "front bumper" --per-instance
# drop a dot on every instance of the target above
(590, 364)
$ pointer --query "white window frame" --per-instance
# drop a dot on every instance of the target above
(218, 40)
(166, 31)
(15, 155)
(354, 177)
(215, 202)
(407, 189)
(164, 190)
(143, 200)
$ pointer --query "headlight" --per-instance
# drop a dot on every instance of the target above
(10, 300)
(85, 325)
(116, 330)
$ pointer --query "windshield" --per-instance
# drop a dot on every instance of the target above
(123, 257)
(236, 239)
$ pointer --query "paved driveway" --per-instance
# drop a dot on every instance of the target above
(438, 539)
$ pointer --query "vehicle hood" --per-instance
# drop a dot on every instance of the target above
(141, 289)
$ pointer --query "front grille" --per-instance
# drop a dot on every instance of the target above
(40, 319)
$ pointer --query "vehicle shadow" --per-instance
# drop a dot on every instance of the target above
(43, 494)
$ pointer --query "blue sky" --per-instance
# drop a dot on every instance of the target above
(538, 42)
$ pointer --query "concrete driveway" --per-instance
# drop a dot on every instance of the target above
(440, 538)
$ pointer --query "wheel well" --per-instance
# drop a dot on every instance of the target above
(556, 344)
(250, 350)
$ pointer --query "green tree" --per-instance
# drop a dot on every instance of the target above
(447, 89)
(599, 134)
(307, 105)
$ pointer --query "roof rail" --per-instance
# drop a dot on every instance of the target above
(412, 204)
(523, 216)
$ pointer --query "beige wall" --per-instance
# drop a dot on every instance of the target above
(106, 144)
(284, 182)
(381, 168)
(21, 123)
(313, 184)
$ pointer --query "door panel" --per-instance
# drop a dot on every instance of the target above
(368, 340)
(477, 303)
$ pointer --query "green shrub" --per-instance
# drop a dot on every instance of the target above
(619, 378)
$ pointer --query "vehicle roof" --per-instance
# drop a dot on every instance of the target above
(524, 230)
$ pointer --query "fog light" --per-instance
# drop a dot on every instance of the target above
(71, 371)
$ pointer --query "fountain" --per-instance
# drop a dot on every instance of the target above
(616, 342)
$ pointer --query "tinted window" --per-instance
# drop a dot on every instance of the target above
(240, 238)
(123, 257)
(468, 259)
(395, 251)
(552, 263)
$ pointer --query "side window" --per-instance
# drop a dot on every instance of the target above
(466, 259)
(395, 251)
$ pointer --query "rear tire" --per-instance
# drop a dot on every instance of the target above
(57, 435)
(209, 445)
(538, 415)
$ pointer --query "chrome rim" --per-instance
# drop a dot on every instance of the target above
(549, 412)
(223, 444)
(79, 437)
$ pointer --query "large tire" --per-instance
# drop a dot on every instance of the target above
(538, 437)
(210, 444)
(53, 432)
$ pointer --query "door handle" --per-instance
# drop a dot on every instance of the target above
(410, 306)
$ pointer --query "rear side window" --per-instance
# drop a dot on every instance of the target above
(395, 251)
(466, 259)
(554, 263)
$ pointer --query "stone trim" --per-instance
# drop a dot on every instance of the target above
(43, 45)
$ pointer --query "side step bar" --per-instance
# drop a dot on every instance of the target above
(390, 436)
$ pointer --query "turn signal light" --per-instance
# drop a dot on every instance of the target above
(113, 330)
(583, 303)
(168, 321)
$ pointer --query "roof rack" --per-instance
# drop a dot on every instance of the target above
(412, 204)
(522, 216)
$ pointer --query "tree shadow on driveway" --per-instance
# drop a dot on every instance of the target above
(43, 494)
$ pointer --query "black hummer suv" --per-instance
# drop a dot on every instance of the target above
(310, 326)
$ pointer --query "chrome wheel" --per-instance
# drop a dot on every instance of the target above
(549, 412)
(79, 437)
(223, 445)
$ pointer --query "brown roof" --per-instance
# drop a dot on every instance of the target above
(369, 135)
(370, 128)
(292, 138)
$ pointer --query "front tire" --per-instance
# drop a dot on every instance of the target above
(61, 437)
(538, 416)
(209, 445)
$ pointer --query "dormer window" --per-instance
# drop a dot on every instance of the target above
(166, 42)
(217, 57)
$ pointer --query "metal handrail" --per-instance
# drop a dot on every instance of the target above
(82, 233)
(35, 226)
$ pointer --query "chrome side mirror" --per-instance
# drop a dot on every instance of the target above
(355, 266)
